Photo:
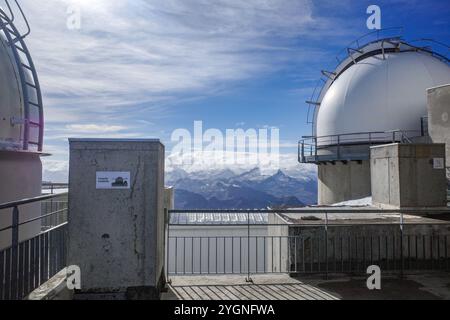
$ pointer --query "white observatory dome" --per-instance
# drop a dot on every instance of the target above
(11, 98)
(380, 95)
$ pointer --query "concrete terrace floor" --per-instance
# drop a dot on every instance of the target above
(282, 287)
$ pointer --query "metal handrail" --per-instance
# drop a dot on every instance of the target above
(310, 145)
(184, 252)
(11, 17)
(360, 44)
(16, 285)
(11, 205)
(321, 210)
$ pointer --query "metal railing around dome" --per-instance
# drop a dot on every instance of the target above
(309, 149)
(30, 86)
(349, 50)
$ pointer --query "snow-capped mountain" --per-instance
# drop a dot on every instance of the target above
(225, 189)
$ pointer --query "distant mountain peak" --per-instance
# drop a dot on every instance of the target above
(250, 175)
(280, 173)
(228, 189)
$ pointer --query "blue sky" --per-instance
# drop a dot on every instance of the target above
(145, 68)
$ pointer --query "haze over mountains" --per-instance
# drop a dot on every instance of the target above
(226, 189)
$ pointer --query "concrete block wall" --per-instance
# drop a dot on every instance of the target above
(439, 118)
(343, 181)
(116, 236)
(405, 175)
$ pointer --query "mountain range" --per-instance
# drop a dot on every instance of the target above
(226, 189)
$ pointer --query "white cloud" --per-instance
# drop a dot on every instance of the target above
(132, 52)
(133, 57)
(94, 128)
(55, 171)
(268, 163)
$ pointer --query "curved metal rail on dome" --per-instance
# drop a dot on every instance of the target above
(27, 74)
(391, 41)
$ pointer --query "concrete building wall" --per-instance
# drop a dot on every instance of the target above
(169, 198)
(116, 236)
(277, 244)
(439, 118)
(21, 178)
(342, 182)
(405, 175)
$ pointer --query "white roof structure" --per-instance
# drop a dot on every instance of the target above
(218, 218)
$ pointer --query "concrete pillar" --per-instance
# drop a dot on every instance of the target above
(21, 178)
(408, 175)
(116, 216)
(439, 118)
(169, 198)
(343, 181)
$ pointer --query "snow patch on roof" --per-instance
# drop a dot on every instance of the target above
(365, 202)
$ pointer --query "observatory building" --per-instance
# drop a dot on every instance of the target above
(21, 124)
(376, 95)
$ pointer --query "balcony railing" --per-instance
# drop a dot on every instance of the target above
(306, 241)
(25, 265)
(311, 149)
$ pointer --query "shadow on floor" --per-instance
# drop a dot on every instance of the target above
(391, 289)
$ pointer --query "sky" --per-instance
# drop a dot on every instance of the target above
(142, 69)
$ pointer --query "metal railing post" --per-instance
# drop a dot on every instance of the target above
(326, 246)
(402, 265)
(249, 279)
(339, 147)
(15, 255)
(315, 148)
(167, 223)
(303, 151)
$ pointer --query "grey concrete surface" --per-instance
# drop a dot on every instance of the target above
(412, 287)
(116, 236)
(169, 198)
(341, 182)
(53, 289)
(439, 116)
(404, 175)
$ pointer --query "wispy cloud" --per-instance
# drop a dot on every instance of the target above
(132, 58)
(94, 128)
(148, 53)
